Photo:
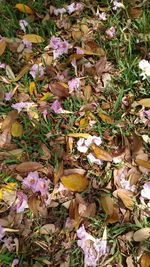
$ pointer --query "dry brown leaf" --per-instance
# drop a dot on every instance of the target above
(126, 197)
(29, 166)
(84, 28)
(105, 118)
(101, 153)
(33, 203)
(107, 204)
(114, 217)
(2, 47)
(134, 12)
(9, 120)
(75, 182)
(59, 90)
(145, 260)
(76, 35)
(143, 163)
(144, 102)
(79, 135)
(137, 143)
(100, 66)
(47, 229)
(10, 73)
(142, 234)
(75, 170)
(59, 172)
(129, 262)
(22, 72)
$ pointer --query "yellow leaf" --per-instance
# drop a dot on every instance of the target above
(75, 182)
(22, 72)
(10, 187)
(2, 46)
(145, 260)
(31, 87)
(83, 122)
(90, 53)
(33, 38)
(1, 194)
(24, 8)
(144, 102)
(16, 129)
(126, 198)
(101, 153)
(80, 135)
(143, 163)
(107, 204)
(45, 96)
(105, 118)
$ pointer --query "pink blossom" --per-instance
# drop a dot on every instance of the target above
(15, 262)
(23, 24)
(92, 159)
(23, 106)
(31, 181)
(54, 42)
(56, 107)
(102, 16)
(44, 113)
(8, 95)
(79, 50)
(79, 6)
(74, 7)
(58, 11)
(93, 248)
(144, 115)
(117, 5)
(37, 71)
(74, 84)
(9, 243)
(42, 186)
(2, 232)
(145, 193)
(2, 65)
(21, 202)
(60, 47)
(27, 43)
(84, 144)
(111, 32)
(81, 146)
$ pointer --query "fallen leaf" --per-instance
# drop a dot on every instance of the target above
(142, 234)
(10, 73)
(29, 166)
(143, 163)
(33, 203)
(79, 135)
(45, 96)
(105, 118)
(9, 120)
(59, 90)
(134, 12)
(126, 196)
(59, 172)
(101, 153)
(114, 217)
(33, 38)
(16, 129)
(129, 262)
(22, 72)
(75, 170)
(145, 260)
(100, 66)
(13, 154)
(2, 47)
(31, 87)
(144, 102)
(47, 229)
(75, 182)
(107, 204)
(24, 8)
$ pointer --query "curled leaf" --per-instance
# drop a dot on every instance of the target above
(104, 117)
(75, 182)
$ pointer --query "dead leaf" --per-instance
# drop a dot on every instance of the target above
(101, 153)
(145, 260)
(76, 35)
(129, 262)
(16, 129)
(114, 217)
(29, 166)
(84, 28)
(2, 47)
(105, 118)
(134, 12)
(144, 102)
(137, 143)
(31, 87)
(75, 170)
(24, 8)
(143, 163)
(142, 234)
(107, 204)
(9, 120)
(33, 203)
(100, 66)
(59, 172)
(47, 229)
(22, 72)
(10, 73)
(126, 197)
(33, 38)
(79, 135)
(75, 182)
(59, 90)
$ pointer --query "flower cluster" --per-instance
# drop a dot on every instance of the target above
(73, 84)
(23, 106)
(144, 65)
(117, 5)
(145, 193)
(59, 47)
(23, 24)
(93, 248)
(37, 71)
(69, 9)
(36, 184)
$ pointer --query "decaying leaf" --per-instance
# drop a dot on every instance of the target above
(144, 102)
(126, 197)
(22, 72)
(24, 8)
(101, 153)
(16, 129)
(9, 120)
(2, 46)
(79, 135)
(59, 172)
(105, 118)
(100, 66)
(134, 12)
(75, 182)
(59, 90)
(33, 203)
(33, 38)
(10, 73)
(107, 204)
(47, 229)
(142, 234)
(129, 262)
(145, 259)
(143, 163)
(29, 166)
